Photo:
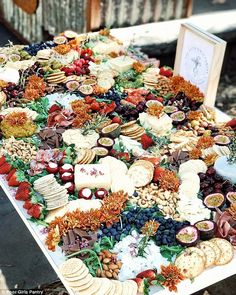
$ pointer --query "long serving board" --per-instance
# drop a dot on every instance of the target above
(186, 287)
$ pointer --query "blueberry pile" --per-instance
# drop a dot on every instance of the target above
(167, 231)
(129, 112)
(115, 95)
(32, 49)
(135, 218)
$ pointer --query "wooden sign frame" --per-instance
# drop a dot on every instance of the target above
(199, 58)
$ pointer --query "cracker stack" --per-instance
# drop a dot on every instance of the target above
(85, 156)
(54, 194)
(141, 173)
(56, 77)
(77, 276)
(194, 260)
(132, 130)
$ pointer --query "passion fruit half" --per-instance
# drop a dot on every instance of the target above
(106, 142)
(188, 236)
(206, 229)
(86, 89)
(214, 201)
(100, 151)
(170, 109)
(72, 85)
(112, 130)
(178, 117)
(222, 140)
(231, 197)
(59, 40)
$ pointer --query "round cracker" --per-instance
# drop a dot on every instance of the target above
(198, 251)
(130, 123)
(86, 157)
(134, 287)
(118, 287)
(91, 157)
(92, 289)
(83, 272)
(70, 266)
(190, 264)
(82, 283)
(81, 155)
(105, 286)
(227, 251)
(126, 288)
(44, 179)
(215, 247)
(209, 253)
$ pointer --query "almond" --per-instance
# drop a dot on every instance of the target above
(105, 266)
(113, 266)
(115, 276)
(107, 253)
(108, 274)
(106, 260)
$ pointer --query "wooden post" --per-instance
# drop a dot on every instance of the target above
(189, 8)
(93, 15)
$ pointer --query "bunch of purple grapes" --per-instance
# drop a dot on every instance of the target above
(130, 112)
(183, 103)
(211, 182)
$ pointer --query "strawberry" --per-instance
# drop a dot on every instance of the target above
(54, 108)
(166, 71)
(117, 120)
(23, 185)
(35, 211)
(9, 175)
(27, 204)
(16, 178)
(140, 284)
(123, 156)
(149, 274)
(146, 141)
(113, 152)
(157, 173)
(2, 160)
(23, 194)
(95, 106)
(231, 123)
(5, 168)
(89, 99)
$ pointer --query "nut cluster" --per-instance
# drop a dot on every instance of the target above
(110, 264)
(163, 85)
(151, 195)
(200, 125)
(18, 149)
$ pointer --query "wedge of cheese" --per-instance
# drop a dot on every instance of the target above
(92, 176)
(121, 63)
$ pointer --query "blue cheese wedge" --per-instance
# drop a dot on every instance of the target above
(92, 176)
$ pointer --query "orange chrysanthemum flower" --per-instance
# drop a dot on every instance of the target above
(172, 276)
(62, 48)
(169, 181)
(150, 228)
(195, 153)
(155, 110)
(194, 115)
(205, 142)
(139, 67)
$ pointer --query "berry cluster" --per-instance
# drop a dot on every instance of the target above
(79, 67)
(135, 218)
(183, 103)
(113, 94)
(130, 112)
(211, 182)
(32, 49)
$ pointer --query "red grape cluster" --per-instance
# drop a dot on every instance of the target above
(211, 182)
(80, 66)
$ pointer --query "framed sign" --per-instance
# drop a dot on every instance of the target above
(199, 58)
